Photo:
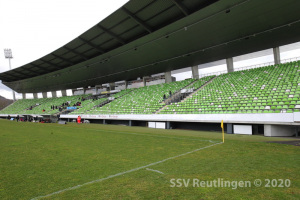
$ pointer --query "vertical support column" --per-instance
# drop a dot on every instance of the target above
(14, 95)
(35, 96)
(44, 94)
(23, 95)
(96, 89)
(168, 125)
(229, 128)
(126, 85)
(276, 53)
(229, 62)
(84, 90)
(130, 123)
(104, 122)
(112, 86)
(64, 93)
(195, 72)
(144, 81)
(53, 94)
(168, 77)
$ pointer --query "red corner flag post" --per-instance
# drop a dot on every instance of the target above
(222, 126)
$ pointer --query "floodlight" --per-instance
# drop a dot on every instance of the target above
(8, 53)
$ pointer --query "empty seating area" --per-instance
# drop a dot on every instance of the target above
(197, 84)
(271, 89)
(144, 100)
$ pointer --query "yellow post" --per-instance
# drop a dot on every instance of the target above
(222, 126)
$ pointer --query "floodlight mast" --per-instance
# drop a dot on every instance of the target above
(8, 55)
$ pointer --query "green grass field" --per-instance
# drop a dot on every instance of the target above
(47, 161)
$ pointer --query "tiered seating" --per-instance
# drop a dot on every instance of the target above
(121, 93)
(58, 101)
(88, 105)
(21, 105)
(38, 105)
(197, 84)
(271, 89)
(144, 100)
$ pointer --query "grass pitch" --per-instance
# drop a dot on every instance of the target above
(117, 162)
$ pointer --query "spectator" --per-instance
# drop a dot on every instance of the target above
(78, 119)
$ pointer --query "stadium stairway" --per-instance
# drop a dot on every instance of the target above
(143, 100)
(175, 97)
(196, 85)
(100, 102)
(202, 86)
(270, 89)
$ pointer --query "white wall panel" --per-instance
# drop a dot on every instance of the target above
(161, 125)
(151, 124)
(242, 129)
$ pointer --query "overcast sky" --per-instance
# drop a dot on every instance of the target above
(34, 28)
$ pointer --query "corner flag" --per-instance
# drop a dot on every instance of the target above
(222, 126)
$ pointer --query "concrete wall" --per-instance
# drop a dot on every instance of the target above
(279, 130)
(264, 118)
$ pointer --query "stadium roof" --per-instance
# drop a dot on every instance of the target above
(147, 37)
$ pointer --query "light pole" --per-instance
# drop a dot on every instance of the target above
(8, 55)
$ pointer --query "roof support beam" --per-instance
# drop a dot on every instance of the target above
(14, 76)
(49, 63)
(140, 22)
(63, 59)
(111, 34)
(182, 7)
(75, 52)
(92, 45)
(33, 71)
(20, 73)
(39, 67)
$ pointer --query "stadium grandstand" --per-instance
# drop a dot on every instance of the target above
(120, 70)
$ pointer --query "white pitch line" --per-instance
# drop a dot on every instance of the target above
(153, 170)
(122, 173)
